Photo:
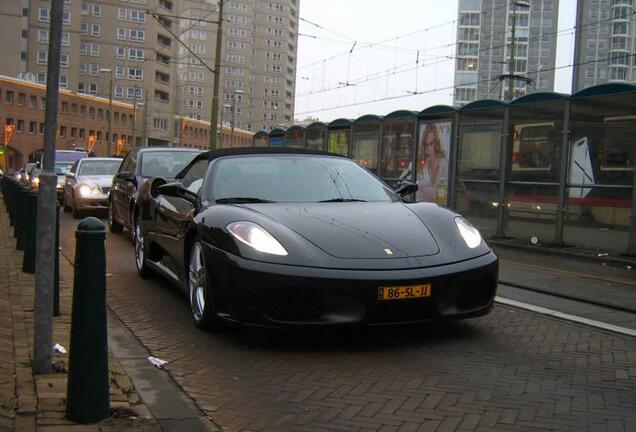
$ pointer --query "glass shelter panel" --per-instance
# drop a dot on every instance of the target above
(398, 141)
(315, 138)
(366, 143)
(477, 181)
(600, 174)
(338, 141)
(295, 138)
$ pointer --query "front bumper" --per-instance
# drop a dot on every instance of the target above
(98, 202)
(273, 295)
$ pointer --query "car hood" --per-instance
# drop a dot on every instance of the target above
(97, 180)
(356, 230)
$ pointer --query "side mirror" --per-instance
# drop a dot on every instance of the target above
(406, 188)
(176, 189)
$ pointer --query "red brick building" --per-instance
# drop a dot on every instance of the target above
(80, 116)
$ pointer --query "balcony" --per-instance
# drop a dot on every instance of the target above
(162, 78)
(166, 4)
(164, 41)
(162, 96)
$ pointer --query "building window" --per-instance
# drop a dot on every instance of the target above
(64, 60)
(122, 14)
(160, 124)
(82, 69)
(94, 50)
(97, 10)
(44, 14)
(119, 72)
(66, 17)
(33, 101)
(136, 35)
(41, 78)
(43, 36)
(84, 27)
(66, 39)
(96, 30)
(42, 58)
(64, 107)
(94, 69)
(73, 132)
(83, 48)
(33, 126)
(121, 33)
(120, 53)
(135, 54)
(85, 8)
(62, 131)
(137, 16)
(119, 92)
(135, 74)
(63, 81)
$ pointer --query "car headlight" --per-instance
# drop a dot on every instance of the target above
(36, 181)
(469, 233)
(86, 190)
(256, 237)
(18, 176)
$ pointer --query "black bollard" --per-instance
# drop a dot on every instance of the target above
(87, 396)
(21, 225)
(56, 280)
(28, 263)
(13, 194)
(23, 197)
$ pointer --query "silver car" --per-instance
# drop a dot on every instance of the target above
(87, 185)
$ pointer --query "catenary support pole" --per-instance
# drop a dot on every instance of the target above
(563, 175)
(47, 201)
(502, 207)
(214, 118)
(631, 245)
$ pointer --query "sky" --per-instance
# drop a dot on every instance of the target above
(357, 57)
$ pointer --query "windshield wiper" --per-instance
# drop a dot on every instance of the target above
(342, 200)
(241, 200)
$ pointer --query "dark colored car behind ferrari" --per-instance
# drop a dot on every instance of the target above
(137, 167)
(281, 237)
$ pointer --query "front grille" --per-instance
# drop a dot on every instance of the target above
(396, 311)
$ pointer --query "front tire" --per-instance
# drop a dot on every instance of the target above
(75, 212)
(113, 226)
(199, 285)
(140, 250)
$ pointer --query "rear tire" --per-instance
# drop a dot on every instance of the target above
(140, 250)
(199, 294)
(113, 226)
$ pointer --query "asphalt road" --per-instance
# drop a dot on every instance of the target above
(511, 370)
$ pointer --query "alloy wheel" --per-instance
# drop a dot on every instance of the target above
(197, 282)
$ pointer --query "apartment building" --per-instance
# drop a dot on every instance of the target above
(258, 62)
(605, 43)
(82, 122)
(484, 35)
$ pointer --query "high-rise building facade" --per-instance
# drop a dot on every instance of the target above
(142, 55)
(258, 62)
(484, 35)
(605, 43)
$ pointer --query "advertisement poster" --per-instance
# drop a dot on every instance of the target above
(433, 149)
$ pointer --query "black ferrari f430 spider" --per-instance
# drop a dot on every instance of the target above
(284, 237)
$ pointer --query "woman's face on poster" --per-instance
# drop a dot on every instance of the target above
(428, 145)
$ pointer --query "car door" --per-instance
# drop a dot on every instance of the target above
(70, 182)
(124, 186)
(173, 216)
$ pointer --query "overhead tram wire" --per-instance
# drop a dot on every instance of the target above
(603, 60)
(492, 48)
(365, 45)
(394, 70)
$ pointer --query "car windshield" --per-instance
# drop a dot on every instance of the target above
(165, 164)
(294, 178)
(63, 168)
(99, 167)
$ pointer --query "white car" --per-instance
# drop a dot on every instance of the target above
(88, 184)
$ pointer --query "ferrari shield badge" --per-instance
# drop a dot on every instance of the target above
(388, 251)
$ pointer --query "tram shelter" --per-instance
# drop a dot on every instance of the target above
(316, 136)
(295, 137)
(398, 146)
(339, 136)
(366, 132)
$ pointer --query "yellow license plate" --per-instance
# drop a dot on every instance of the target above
(404, 292)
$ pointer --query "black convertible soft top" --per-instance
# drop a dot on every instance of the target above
(239, 151)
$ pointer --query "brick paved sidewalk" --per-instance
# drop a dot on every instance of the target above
(28, 402)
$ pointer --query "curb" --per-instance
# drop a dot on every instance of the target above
(543, 250)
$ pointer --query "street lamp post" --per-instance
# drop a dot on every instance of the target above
(110, 111)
